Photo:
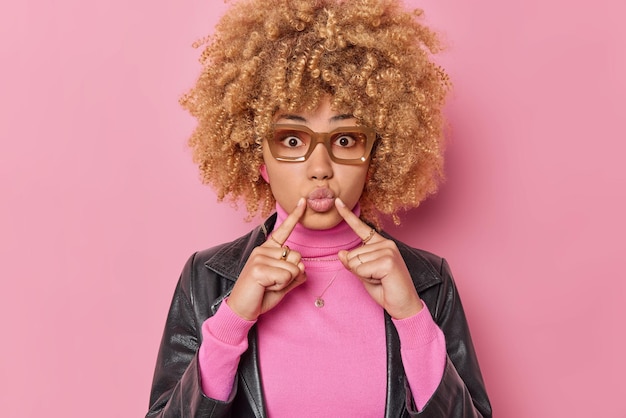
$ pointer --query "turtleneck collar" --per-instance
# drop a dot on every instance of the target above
(314, 243)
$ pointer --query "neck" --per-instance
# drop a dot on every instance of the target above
(324, 243)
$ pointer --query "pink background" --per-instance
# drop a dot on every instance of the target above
(101, 206)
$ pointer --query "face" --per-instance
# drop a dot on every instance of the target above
(318, 179)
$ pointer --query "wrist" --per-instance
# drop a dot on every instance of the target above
(226, 326)
(244, 314)
(408, 310)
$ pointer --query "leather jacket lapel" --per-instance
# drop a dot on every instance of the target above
(395, 372)
(250, 376)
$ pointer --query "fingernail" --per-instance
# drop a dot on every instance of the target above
(340, 203)
(300, 202)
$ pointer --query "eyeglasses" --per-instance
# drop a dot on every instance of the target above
(345, 145)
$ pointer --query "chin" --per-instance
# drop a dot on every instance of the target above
(320, 221)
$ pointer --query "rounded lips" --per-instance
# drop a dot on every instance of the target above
(321, 200)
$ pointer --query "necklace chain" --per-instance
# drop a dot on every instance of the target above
(319, 302)
(319, 259)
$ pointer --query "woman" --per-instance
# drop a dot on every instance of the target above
(329, 112)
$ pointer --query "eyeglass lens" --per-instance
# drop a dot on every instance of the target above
(345, 144)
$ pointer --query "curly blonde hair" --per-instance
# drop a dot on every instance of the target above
(372, 57)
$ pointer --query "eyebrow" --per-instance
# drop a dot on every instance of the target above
(299, 118)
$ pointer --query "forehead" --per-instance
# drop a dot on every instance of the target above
(322, 111)
(297, 118)
(282, 129)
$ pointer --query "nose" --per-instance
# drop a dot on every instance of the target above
(319, 164)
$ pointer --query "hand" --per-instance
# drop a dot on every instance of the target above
(381, 268)
(270, 273)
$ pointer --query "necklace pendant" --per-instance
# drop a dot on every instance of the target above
(319, 302)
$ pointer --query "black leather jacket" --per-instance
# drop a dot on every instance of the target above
(209, 276)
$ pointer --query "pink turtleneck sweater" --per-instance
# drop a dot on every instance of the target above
(328, 361)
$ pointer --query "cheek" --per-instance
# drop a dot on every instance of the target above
(281, 178)
(355, 183)
(360, 176)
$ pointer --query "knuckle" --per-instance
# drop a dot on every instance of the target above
(389, 261)
(283, 276)
(256, 252)
(389, 252)
(257, 269)
(294, 271)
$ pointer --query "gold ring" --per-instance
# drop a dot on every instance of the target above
(359, 258)
(275, 240)
(369, 237)
(285, 253)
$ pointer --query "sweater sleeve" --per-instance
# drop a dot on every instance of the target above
(423, 351)
(224, 340)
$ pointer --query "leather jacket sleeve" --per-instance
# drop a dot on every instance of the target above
(176, 388)
(461, 393)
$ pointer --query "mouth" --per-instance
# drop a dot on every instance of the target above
(321, 200)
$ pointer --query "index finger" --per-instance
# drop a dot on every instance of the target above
(363, 230)
(280, 234)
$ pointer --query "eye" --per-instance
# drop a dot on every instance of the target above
(291, 141)
(345, 140)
